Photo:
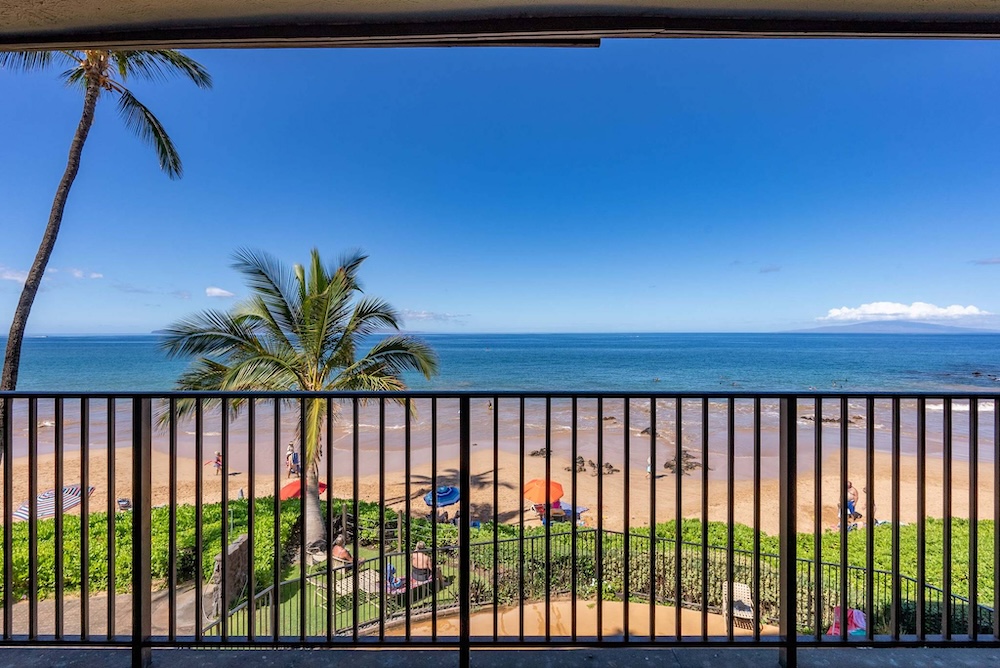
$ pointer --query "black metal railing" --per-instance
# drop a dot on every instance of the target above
(195, 527)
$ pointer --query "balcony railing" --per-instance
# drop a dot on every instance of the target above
(193, 535)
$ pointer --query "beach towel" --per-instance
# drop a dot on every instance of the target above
(856, 623)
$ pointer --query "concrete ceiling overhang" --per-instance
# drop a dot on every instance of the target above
(47, 24)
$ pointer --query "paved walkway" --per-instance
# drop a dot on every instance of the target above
(576, 658)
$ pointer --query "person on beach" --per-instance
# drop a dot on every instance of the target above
(649, 466)
(218, 463)
(289, 451)
(422, 569)
(852, 500)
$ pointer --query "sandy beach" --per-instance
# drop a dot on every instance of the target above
(510, 503)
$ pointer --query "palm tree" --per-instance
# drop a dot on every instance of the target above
(95, 72)
(299, 330)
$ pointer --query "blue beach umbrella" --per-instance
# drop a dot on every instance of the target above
(446, 496)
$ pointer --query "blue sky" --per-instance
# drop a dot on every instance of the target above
(647, 185)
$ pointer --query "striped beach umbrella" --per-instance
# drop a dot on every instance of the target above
(72, 497)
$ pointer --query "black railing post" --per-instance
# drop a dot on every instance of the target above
(142, 450)
(786, 549)
(464, 534)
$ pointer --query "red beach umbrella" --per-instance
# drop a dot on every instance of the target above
(535, 491)
(293, 489)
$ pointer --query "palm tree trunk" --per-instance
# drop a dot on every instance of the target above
(311, 513)
(12, 357)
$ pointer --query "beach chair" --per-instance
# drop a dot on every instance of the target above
(742, 606)
(554, 514)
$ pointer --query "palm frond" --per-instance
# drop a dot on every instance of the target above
(210, 334)
(372, 315)
(75, 76)
(25, 61)
(148, 128)
(160, 65)
(390, 357)
(274, 284)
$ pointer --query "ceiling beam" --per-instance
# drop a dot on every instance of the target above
(527, 31)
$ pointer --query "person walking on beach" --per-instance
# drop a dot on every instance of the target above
(218, 463)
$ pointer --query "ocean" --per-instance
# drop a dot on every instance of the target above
(590, 362)
(607, 363)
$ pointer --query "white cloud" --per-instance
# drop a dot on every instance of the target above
(79, 273)
(212, 291)
(430, 315)
(7, 274)
(897, 311)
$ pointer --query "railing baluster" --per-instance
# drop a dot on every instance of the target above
(788, 585)
(973, 616)
(704, 519)
(921, 515)
(383, 571)
(33, 518)
(434, 508)
(652, 522)
(224, 553)
(846, 518)
(599, 538)
(112, 519)
(756, 518)
(996, 519)
(818, 602)
(251, 519)
(946, 514)
(399, 525)
(7, 405)
(142, 483)
(355, 455)
(627, 468)
(84, 519)
(305, 473)
(573, 502)
(59, 455)
(276, 530)
(896, 593)
(548, 516)
(731, 507)
(464, 533)
(678, 512)
(199, 527)
(172, 520)
(520, 525)
(496, 517)
(869, 514)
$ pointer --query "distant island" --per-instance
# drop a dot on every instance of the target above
(893, 327)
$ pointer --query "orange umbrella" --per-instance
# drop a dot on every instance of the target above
(294, 488)
(534, 491)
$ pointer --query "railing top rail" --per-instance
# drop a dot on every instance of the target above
(492, 394)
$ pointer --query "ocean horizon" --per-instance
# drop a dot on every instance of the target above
(674, 362)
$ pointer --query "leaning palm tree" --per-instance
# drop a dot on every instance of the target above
(299, 330)
(96, 73)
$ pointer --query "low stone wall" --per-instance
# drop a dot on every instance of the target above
(237, 575)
